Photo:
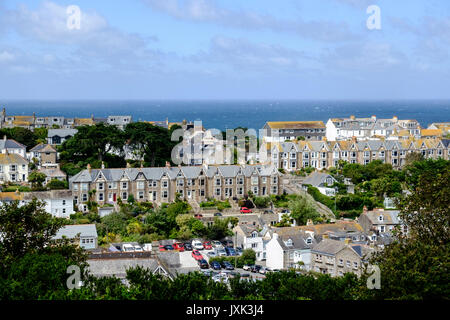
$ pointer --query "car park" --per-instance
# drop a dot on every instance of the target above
(187, 246)
(207, 245)
(203, 264)
(245, 210)
(215, 265)
(196, 255)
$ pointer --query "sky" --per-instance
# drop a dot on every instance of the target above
(225, 49)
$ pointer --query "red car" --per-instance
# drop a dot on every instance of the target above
(198, 216)
(197, 255)
(246, 210)
(178, 246)
(207, 245)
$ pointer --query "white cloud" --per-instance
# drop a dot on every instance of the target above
(6, 56)
(210, 12)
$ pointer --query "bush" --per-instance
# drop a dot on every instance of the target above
(262, 202)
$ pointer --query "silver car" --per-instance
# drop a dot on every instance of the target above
(220, 252)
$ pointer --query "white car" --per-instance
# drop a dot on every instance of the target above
(197, 245)
(217, 244)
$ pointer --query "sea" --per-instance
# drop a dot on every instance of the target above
(229, 114)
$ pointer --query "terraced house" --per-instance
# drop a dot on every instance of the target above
(292, 156)
(278, 131)
(162, 184)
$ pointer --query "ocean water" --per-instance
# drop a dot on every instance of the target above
(231, 114)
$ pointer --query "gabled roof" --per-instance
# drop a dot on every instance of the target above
(317, 178)
(10, 144)
(12, 158)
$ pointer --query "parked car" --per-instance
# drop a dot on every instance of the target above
(238, 251)
(211, 254)
(268, 211)
(220, 252)
(198, 216)
(247, 267)
(227, 265)
(263, 270)
(187, 246)
(216, 244)
(138, 249)
(215, 265)
(196, 255)
(207, 245)
(287, 211)
(245, 210)
(197, 245)
(217, 214)
(227, 243)
(166, 247)
(161, 248)
(255, 268)
(230, 252)
(203, 264)
(178, 246)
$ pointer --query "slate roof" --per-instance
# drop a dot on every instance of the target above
(10, 144)
(71, 231)
(190, 172)
(329, 246)
(12, 158)
(317, 178)
(61, 132)
(389, 216)
(295, 124)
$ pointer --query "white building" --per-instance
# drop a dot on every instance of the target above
(12, 147)
(249, 237)
(58, 203)
(289, 248)
(365, 128)
(13, 168)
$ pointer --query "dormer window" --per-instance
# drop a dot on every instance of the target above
(380, 218)
(289, 242)
(308, 241)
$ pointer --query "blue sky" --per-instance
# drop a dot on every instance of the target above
(225, 49)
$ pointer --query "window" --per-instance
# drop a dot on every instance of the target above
(141, 195)
(140, 185)
(341, 262)
(274, 180)
(124, 195)
(180, 182)
(165, 184)
(84, 197)
(100, 186)
(164, 194)
(355, 265)
(202, 182)
(254, 245)
(218, 182)
(124, 185)
(348, 263)
(217, 192)
(64, 202)
(112, 185)
(75, 185)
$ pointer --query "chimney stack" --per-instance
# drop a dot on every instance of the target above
(325, 236)
(128, 165)
(167, 164)
(309, 222)
(88, 167)
(4, 137)
(364, 209)
(103, 165)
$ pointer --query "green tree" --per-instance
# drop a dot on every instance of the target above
(302, 209)
(416, 265)
(37, 179)
(152, 143)
(56, 184)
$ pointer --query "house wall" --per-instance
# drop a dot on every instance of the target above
(274, 254)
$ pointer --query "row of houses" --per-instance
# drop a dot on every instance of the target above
(334, 248)
(339, 129)
(164, 184)
(293, 156)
